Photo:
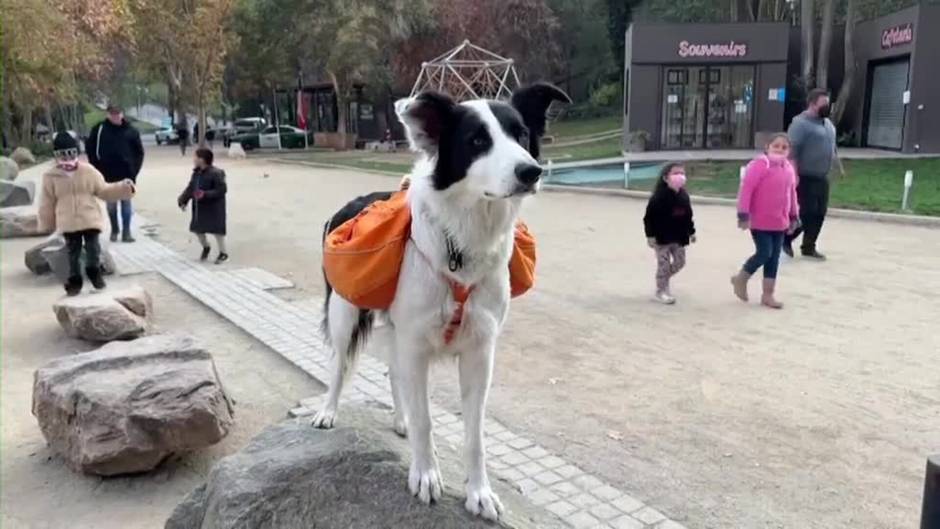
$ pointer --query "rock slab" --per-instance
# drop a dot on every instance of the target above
(292, 475)
(56, 257)
(8, 169)
(128, 406)
(105, 316)
(20, 221)
(16, 193)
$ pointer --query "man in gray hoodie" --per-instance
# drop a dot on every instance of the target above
(813, 148)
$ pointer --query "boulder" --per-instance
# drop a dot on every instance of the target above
(35, 261)
(56, 257)
(20, 221)
(105, 316)
(16, 193)
(23, 157)
(8, 169)
(292, 475)
(127, 406)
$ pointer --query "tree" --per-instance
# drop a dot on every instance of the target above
(186, 44)
(851, 65)
(825, 44)
(808, 41)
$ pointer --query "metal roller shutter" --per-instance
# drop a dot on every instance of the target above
(886, 108)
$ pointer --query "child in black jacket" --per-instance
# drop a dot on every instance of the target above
(669, 227)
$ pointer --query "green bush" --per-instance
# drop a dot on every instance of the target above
(606, 95)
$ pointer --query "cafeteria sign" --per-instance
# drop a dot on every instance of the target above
(897, 36)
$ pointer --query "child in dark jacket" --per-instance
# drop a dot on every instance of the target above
(669, 227)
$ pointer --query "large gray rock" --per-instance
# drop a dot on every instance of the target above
(23, 157)
(16, 193)
(105, 316)
(8, 169)
(20, 221)
(127, 406)
(55, 256)
(292, 475)
(34, 259)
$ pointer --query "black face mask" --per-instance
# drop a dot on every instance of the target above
(825, 111)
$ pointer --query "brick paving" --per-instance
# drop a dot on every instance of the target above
(292, 330)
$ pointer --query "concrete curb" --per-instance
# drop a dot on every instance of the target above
(869, 216)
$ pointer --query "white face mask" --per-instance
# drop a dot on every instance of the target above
(66, 159)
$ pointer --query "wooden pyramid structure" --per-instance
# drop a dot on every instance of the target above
(468, 72)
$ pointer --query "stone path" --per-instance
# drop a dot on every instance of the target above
(292, 330)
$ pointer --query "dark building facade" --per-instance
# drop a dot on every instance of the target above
(721, 86)
(705, 86)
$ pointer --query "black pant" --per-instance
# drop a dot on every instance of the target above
(813, 194)
(73, 241)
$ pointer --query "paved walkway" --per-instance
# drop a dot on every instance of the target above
(243, 297)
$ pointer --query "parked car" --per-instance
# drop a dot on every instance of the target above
(242, 126)
(291, 138)
(167, 135)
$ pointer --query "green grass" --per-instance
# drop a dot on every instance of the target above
(564, 129)
(606, 148)
(93, 117)
(871, 185)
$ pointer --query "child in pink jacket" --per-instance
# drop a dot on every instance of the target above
(767, 205)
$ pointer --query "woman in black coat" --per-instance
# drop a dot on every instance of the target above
(207, 190)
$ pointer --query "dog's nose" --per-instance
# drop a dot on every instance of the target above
(528, 174)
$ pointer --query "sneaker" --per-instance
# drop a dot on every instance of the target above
(664, 298)
(96, 278)
(73, 286)
(788, 248)
(221, 258)
(813, 254)
(128, 237)
(205, 253)
(114, 236)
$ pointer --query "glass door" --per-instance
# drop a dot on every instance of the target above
(683, 116)
(708, 107)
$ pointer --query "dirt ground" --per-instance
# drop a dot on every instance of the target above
(38, 492)
(720, 414)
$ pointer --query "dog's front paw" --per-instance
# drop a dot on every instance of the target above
(425, 482)
(482, 501)
(324, 419)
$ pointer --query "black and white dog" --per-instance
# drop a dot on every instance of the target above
(478, 161)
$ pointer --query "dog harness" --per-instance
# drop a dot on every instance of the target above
(458, 291)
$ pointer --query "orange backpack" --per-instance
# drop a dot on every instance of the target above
(362, 257)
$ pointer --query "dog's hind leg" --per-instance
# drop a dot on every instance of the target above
(412, 361)
(476, 372)
(348, 327)
(400, 424)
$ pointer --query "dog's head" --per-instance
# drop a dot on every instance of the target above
(487, 148)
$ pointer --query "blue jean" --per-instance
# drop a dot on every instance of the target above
(126, 212)
(767, 246)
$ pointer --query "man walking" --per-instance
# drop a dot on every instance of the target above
(114, 148)
(813, 141)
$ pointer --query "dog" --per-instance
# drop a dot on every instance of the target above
(235, 150)
(477, 163)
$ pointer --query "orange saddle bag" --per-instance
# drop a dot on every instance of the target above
(362, 257)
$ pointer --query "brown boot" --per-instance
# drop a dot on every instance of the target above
(767, 298)
(739, 282)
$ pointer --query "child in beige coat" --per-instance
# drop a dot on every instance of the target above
(69, 204)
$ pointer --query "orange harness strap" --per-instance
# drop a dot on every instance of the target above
(461, 294)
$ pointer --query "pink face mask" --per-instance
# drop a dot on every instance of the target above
(676, 181)
(69, 166)
(776, 158)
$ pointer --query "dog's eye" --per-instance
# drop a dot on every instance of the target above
(479, 142)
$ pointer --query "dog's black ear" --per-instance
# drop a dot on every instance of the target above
(533, 102)
(426, 117)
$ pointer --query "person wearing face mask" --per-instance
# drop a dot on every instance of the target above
(768, 207)
(69, 204)
(669, 227)
(813, 139)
